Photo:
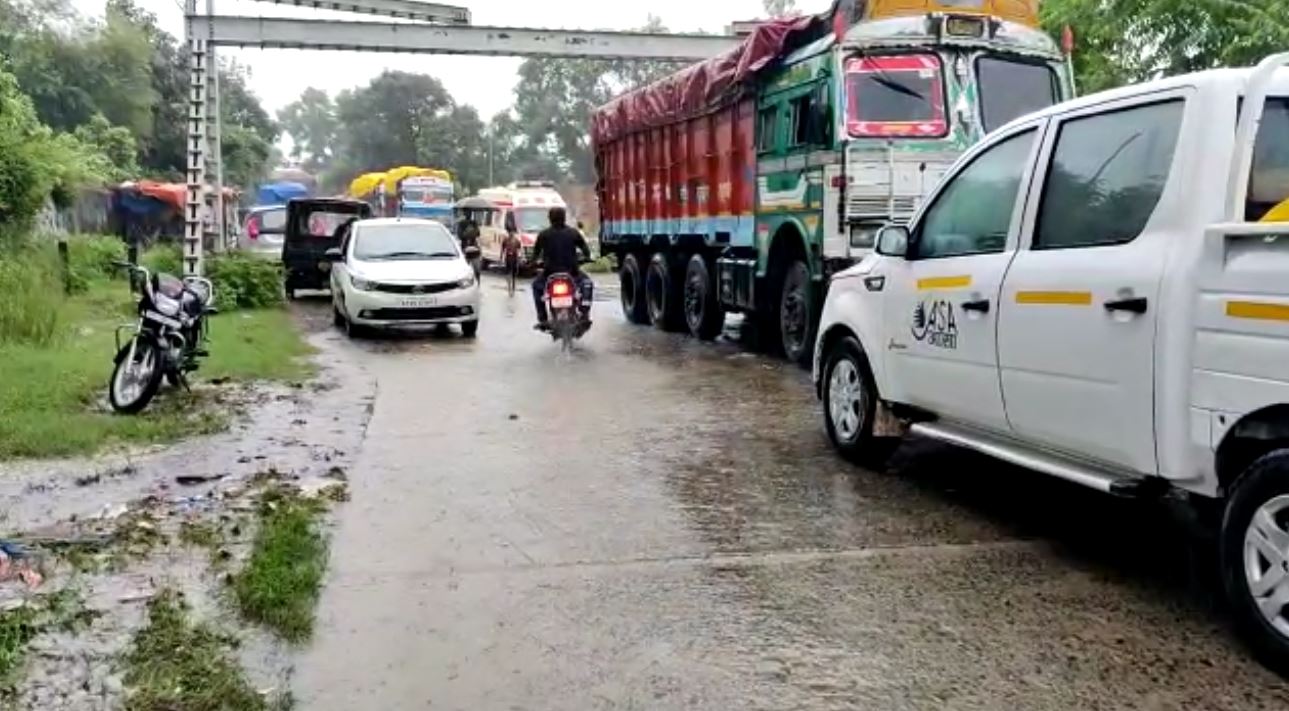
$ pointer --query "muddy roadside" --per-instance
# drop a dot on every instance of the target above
(135, 550)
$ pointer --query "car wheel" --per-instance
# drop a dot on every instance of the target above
(469, 329)
(663, 295)
(632, 289)
(1254, 542)
(703, 313)
(850, 405)
(289, 289)
(337, 318)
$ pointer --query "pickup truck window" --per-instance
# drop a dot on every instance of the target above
(973, 213)
(1269, 179)
(1106, 176)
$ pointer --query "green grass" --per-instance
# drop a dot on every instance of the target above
(175, 663)
(51, 393)
(64, 609)
(280, 583)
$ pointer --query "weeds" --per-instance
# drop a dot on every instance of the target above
(175, 663)
(280, 583)
(63, 610)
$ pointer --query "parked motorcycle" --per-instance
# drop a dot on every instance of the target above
(167, 339)
(567, 312)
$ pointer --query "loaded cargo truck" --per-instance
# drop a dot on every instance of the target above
(740, 184)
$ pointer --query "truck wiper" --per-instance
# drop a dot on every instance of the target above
(881, 78)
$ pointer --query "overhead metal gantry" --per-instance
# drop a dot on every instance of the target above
(424, 28)
(276, 32)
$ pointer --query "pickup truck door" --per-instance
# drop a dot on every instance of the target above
(1079, 304)
(941, 315)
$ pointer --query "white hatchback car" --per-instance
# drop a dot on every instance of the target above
(397, 272)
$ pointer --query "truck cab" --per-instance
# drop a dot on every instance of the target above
(1095, 293)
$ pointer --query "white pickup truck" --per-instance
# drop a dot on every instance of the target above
(1099, 292)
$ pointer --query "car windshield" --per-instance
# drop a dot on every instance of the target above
(421, 240)
(1011, 89)
(532, 219)
(273, 220)
(895, 96)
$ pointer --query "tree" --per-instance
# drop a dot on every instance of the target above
(382, 125)
(311, 122)
(114, 143)
(1124, 41)
(780, 8)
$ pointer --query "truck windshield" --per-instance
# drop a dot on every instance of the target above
(427, 195)
(531, 219)
(1269, 178)
(1009, 89)
(896, 96)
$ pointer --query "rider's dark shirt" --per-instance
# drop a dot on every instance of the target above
(558, 248)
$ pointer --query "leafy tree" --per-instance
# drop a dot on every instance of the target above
(114, 144)
(385, 123)
(311, 122)
(1124, 41)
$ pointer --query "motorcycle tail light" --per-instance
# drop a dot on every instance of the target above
(561, 288)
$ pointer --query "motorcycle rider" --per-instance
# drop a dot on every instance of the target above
(557, 248)
(468, 236)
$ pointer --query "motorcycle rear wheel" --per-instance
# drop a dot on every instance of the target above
(144, 375)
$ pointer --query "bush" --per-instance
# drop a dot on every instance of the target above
(241, 281)
(32, 301)
(91, 258)
(244, 282)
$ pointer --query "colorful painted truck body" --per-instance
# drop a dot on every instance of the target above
(741, 183)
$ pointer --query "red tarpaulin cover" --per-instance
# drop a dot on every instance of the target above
(173, 194)
(702, 87)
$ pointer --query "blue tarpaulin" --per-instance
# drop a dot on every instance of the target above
(280, 193)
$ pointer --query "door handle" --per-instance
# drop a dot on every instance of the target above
(981, 305)
(1136, 305)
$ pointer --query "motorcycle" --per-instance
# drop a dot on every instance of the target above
(566, 309)
(167, 339)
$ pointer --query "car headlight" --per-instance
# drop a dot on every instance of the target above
(466, 283)
(362, 284)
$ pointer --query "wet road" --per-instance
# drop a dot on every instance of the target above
(657, 523)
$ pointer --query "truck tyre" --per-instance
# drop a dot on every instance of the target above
(703, 313)
(663, 295)
(631, 284)
(797, 321)
(850, 405)
(1254, 540)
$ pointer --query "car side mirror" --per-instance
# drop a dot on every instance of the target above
(334, 255)
(893, 241)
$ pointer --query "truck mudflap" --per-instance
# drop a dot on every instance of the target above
(737, 278)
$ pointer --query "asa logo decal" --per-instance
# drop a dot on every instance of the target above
(935, 325)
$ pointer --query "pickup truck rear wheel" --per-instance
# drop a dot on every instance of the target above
(850, 405)
(1255, 557)
(632, 289)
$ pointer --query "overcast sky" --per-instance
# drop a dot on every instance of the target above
(487, 83)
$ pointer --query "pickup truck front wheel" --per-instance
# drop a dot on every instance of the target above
(1255, 556)
(850, 405)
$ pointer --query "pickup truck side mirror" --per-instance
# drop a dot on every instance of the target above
(893, 241)
(334, 255)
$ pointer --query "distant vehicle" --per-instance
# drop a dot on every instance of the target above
(522, 206)
(280, 193)
(427, 196)
(1099, 292)
(400, 272)
(742, 183)
(166, 341)
(314, 226)
(263, 231)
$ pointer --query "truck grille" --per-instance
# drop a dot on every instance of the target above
(881, 206)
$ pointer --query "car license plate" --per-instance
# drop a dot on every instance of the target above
(417, 303)
(561, 302)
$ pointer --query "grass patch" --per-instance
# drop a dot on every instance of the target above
(177, 664)
(64, 609)
(52, 392)
(280, 583)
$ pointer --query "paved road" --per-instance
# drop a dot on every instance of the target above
(656, 523)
